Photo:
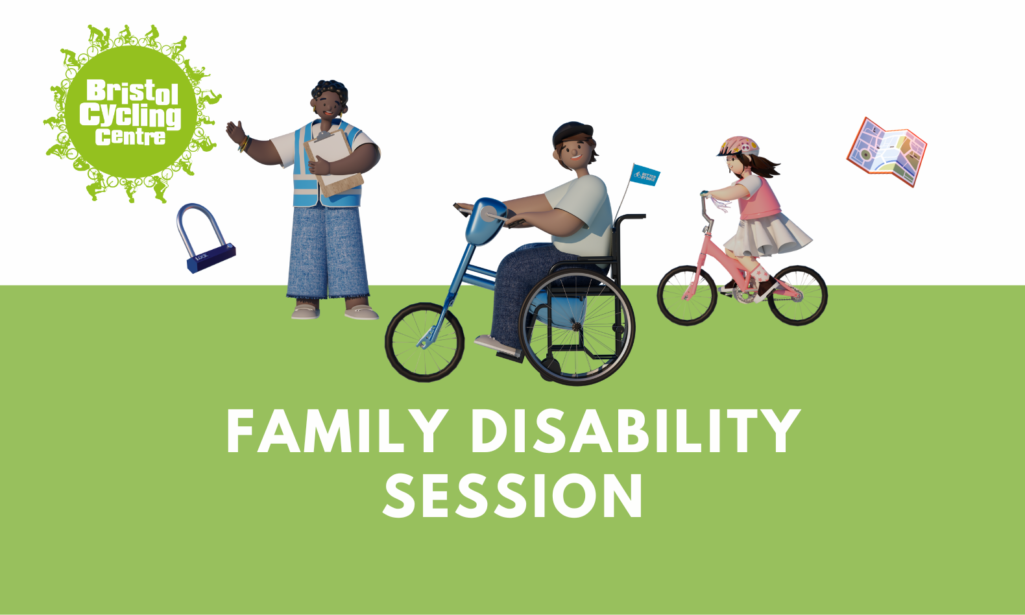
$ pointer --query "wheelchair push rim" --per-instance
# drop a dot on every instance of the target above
(583, 340)
(408, 328)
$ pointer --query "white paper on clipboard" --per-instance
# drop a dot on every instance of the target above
(333, 148)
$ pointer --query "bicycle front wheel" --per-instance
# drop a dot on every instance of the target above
(670, 296)
(423, 364)
(809, 306)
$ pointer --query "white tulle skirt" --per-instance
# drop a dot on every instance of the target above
(767, 236)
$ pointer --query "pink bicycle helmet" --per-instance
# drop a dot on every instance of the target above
(738, 145)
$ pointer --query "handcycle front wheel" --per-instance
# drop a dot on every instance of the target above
(576, 327)
(436, 361)
(698, 308)
(812, 302)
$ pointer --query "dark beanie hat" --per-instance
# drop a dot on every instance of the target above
(570, 129)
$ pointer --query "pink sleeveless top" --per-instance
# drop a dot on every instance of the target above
(761, 204)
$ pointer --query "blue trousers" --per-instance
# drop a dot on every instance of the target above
(518, 273)
(327, 254)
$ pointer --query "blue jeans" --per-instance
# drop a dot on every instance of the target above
(327, 254)
(518, 273)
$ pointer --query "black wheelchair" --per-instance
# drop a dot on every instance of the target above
(576, 326)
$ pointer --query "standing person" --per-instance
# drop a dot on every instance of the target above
(763, 230)
(327, 258)
(577, 215)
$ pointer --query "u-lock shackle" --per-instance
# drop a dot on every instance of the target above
(206, 259)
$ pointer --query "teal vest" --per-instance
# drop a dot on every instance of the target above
(306, 190)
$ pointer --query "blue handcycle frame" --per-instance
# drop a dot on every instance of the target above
(484, 223)
(486, 220)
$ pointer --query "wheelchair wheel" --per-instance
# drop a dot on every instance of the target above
(670, 296)
(576, 327)
(406, 330)
(813, 301)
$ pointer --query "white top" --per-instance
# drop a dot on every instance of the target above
(587, 199)
(752, 182)
(285, 144)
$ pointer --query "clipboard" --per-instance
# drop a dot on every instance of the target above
(333, 148)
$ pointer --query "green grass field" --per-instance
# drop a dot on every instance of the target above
(900, 491)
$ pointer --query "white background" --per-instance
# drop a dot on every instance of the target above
(463, 99)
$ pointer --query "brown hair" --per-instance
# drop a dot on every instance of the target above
(762, 167)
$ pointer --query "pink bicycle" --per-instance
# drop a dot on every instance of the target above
(687, 295)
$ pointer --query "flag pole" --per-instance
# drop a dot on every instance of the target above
(624, 196)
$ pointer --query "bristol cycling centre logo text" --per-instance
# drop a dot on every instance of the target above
(130, 112)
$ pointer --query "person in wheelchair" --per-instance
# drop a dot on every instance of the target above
(577, 215)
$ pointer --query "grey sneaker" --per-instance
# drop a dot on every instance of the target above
(489, 342)
(305, 311)
(361, 312)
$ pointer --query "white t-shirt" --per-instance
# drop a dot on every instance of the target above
(285, 144)
(752, 183)
(587, 199)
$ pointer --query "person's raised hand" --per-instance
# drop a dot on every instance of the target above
(236, 133)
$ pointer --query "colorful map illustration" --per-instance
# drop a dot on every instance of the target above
(896, 152)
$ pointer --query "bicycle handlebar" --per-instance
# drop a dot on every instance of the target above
(704, 214)
(704, 211)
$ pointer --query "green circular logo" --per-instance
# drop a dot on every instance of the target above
(131, 112)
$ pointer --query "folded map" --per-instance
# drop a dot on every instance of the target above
(896, 152)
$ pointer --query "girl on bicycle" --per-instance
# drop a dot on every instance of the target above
(763, 230)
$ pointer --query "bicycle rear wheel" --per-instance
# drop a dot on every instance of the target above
(809, 307)
(670, 296)
(408, 327)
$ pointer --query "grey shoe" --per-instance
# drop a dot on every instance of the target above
(489, 342)
(361, 312)
(305, 311)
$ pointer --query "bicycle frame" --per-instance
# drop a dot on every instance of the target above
(479, 231)
(461, 276)
(738, 273)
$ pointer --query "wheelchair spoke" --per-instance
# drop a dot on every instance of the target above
(606, 339)
(589, 319)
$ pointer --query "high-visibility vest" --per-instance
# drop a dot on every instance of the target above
(306, 190)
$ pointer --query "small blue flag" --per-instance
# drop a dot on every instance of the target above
(644, 175)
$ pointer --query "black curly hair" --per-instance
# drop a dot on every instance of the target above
(331, 86)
